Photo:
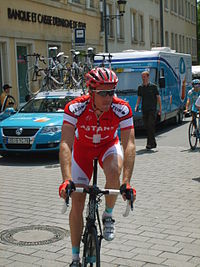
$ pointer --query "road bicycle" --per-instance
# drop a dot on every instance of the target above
(194, 131)
(42, 78)
(103, 60)
(93, 234)
(34, 77)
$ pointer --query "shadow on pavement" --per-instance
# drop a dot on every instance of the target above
(160, 129)
(47, 160)
(196, 179)
(145, 151)
(189, 150)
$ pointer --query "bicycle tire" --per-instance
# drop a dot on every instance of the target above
(192, 133)
(91, 249)
(32, 81)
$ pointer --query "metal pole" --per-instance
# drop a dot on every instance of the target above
(197, 30)
(105, 26)
(161, 23)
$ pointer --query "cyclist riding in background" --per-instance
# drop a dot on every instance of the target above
(90, 131)
(192, 97)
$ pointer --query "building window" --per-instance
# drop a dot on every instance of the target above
(109, 21)
(133, 27)
(188, 10)
(193, 13)
(183, 43)
(157, 32)
(166, 38)
(172, 5)
(141, 28)
(175, 6)
(166, 4)
(89, 3)
(180, 44)
(188, 45)
(172, 40)
(151, 31)
(194, 47)
(120, 26)
(175, 42)
(75, 1)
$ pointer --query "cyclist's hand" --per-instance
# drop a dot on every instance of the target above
(66, 188)
(128, 192)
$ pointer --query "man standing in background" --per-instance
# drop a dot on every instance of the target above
(148, 93)
(6, 100)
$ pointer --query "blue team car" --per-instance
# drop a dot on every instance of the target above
(36, 127)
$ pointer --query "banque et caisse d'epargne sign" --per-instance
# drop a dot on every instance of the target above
(34, 17)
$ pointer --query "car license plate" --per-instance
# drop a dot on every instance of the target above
(18, 140)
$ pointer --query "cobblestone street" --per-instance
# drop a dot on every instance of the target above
(163, 230)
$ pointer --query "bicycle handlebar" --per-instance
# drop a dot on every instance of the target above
(41, 58)
(88, 190)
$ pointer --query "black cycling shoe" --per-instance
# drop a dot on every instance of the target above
(151, 146)
(75, 264)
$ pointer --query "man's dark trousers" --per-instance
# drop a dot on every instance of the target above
(149, 119)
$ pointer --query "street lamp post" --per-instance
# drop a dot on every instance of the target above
(161, 23)
(121, 6)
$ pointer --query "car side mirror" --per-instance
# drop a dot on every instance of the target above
(10, 111)
(162, 82)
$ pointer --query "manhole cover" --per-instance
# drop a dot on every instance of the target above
(33, 235)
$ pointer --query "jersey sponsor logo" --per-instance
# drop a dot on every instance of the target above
(120, 110)
(97, 129)
(77, 108)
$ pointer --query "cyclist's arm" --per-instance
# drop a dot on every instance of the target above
(187, 104)
(65, 154)
(128, 144)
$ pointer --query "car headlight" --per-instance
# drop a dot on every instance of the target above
(51, 129)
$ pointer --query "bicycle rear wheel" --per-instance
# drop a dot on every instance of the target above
(91, 250)
(192, 133)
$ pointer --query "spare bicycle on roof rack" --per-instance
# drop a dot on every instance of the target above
(56, 71)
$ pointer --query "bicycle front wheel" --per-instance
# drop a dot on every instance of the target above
(32, 81)
(192, 133)
(91, 249)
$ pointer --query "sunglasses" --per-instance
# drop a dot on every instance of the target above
(104, 93)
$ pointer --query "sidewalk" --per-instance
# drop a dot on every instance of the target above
(163, 230)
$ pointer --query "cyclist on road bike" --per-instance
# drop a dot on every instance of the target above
(192, 97)
(90, 131)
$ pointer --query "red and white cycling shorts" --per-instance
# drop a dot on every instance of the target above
(82, 159)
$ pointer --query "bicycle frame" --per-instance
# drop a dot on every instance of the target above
(93, 212)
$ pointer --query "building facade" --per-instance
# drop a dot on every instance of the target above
(180, 31)
(28, 26)
(140, 27)
(32, 26)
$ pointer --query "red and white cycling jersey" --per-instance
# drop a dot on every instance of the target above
(97, 131)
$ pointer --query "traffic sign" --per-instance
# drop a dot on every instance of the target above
(79, 37)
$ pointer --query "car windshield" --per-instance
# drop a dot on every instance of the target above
(46, 105)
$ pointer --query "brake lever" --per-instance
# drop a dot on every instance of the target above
(131, 199)
(67, 197)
